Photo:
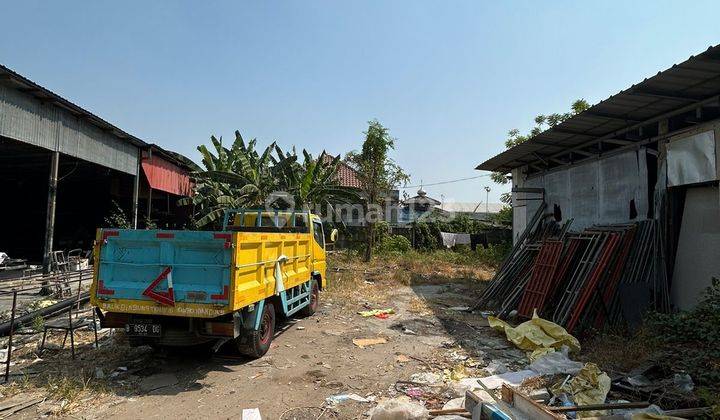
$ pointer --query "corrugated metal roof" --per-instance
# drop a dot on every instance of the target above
(28, 86)
(680, 88)
(472, 207)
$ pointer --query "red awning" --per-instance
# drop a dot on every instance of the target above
(166, 176)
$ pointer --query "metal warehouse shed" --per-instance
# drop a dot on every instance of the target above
(647, 152)
(62, 167)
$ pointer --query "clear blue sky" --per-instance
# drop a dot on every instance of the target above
(449, 78)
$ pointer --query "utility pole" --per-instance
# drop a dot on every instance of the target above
(487, 197)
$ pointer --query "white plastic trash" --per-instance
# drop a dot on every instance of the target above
(399, 409)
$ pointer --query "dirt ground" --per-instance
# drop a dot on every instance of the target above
(310, 359)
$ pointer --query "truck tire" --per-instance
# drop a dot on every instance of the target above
(311, 308)
(255, 343)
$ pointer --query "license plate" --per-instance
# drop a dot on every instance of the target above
(143, 330)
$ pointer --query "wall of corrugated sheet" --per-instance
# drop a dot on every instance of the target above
(27, 119)
(596, 192)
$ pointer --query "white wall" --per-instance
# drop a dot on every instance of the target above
(595, 192)
(697, 258)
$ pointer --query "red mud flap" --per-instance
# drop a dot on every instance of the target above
(163, 298)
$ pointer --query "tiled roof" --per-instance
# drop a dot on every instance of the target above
(346, 176)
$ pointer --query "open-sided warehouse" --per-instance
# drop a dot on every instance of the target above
(63, 168)
(648, 152)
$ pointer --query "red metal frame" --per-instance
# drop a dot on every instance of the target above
(566, 262)
(592, 281)
(541, 281)
(609, 292)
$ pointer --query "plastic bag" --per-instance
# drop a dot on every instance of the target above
(589, 386)
(556, 362)
(536, 334)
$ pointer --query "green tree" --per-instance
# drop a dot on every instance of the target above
(378, 175)
(241, 176)
(313, 183)
(231, 178)
(542, 123)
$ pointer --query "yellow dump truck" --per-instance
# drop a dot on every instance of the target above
(180, 288)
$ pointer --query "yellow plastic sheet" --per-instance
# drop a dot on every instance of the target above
(537, 335)
(589, 386)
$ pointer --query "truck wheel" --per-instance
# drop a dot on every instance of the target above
(255, 343)
(312, 307)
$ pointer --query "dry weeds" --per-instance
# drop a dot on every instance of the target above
(354, 281)
(616, 352)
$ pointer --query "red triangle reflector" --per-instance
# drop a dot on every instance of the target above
(164, 298)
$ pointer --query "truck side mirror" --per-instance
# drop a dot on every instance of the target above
(333, 235)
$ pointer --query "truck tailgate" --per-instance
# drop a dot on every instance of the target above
(168, 267)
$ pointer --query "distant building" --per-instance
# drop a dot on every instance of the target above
(420, 206)
(423, 206)
(475, 210)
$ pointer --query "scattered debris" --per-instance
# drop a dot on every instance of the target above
(538, 335)
(401, 358)
(408, 331)
(590, 386)
(365, 342)
(376, 312)
(300, 328)
(400, 408)
(509, 378)
(251, 414)
(456, 373)
(554, 363)
(428, 378)
(495, 368)
(337, 399)
(683, 382)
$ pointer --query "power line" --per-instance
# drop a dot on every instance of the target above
(447, 182)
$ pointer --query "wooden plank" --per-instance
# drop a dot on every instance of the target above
(527, 406)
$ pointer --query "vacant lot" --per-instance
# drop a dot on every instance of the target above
(310, 360)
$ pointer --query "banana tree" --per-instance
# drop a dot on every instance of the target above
(234, 177)
(314, 182)
(240, 176)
